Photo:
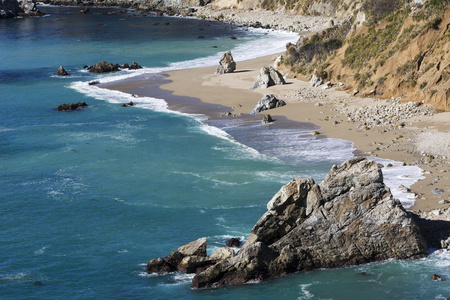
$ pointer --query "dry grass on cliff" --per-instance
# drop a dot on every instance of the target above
(433, 143)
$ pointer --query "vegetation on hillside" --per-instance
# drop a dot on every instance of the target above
(396, 50)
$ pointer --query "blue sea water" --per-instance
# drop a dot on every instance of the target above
(88, 197)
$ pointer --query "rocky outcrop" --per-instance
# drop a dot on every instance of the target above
(350, 218)
(106, 67)
(226, 64)
(268, 76)
(268, 101)
(190, 258)
(62, 72)
(71, 106)
(103, 67)
(315, 81)
(14, 8)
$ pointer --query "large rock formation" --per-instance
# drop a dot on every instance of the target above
(103, 67)
(268, 101)
(226, 64)
(71, 106)
(14, 8)
(350, 218)
(268, 76)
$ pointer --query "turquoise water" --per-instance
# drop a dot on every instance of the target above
(88, 197)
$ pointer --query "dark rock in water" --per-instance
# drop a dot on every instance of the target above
(190, 258)
(234, 242)
(160, 266)
(125, 66)
(84, 10)
(62, 72)
(200, 37)
(267, 119)
(350, 218)
(103, 67)
(268, 101)
(71, 106)
(226, 64)
(134, 66)
(128, 104)
(268, 76)
(94, 82)
(436, 277)
(14, 8)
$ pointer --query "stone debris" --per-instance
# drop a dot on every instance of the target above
(389, 113)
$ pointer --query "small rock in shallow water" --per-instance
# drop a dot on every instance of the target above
(436, 277)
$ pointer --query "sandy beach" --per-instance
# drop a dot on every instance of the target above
(328, 109)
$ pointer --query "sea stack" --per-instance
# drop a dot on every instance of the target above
(350, 218)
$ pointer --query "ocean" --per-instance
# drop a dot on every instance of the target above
(89, 197)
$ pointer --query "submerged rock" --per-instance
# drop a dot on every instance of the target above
(268, 76)
(268, 101)
(226, 64)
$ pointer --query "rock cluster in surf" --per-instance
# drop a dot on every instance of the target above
(105, 67)
(350, 218)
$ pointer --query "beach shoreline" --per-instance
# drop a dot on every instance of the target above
(231, 93)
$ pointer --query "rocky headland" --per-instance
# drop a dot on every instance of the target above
(349, 218)
(14, 8)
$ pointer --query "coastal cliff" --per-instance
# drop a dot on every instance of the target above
(14, 8)
(350, 218)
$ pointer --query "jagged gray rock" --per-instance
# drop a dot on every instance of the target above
(14, 8)
(268, 76)
(315, 81)
(226, 64)
(350, 218)
(268, 101)
(62, 72)
(103, 67)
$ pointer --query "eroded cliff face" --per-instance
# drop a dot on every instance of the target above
(350, 218)
(14, 8)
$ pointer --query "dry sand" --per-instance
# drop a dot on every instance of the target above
(320, 107)
(232, 90)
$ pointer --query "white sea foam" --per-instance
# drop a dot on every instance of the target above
(399, 175)
(40, 251)
(306, 294)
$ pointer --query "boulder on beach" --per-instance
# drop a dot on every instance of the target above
(226, 64)
(268, 76)
(62, 72)
(71, 106)
(315, 81)
(350, 218)
(268, 101)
